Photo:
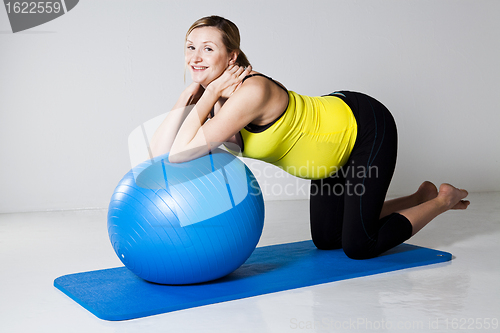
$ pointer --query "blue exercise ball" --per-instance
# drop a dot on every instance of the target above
(188, 222)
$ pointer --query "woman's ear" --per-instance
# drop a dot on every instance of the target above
(234, 56)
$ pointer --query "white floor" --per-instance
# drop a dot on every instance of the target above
(35, 248)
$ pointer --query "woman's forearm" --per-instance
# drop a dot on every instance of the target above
(184, 146)
(163, 138)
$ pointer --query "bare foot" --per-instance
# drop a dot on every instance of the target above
(452, 197)
(427, 191)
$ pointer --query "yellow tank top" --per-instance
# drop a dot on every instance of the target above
(312, 139)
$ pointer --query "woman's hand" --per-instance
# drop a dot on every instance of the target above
(226, 84)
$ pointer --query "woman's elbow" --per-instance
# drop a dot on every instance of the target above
(187, 155)
(174, 158)
(180, 156)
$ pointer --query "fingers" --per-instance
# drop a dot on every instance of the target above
(239, 70)
(236, 70)
(232, 68)
(238, 73)
(246, 71)
(231, 79)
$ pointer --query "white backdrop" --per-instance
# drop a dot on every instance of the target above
(73, 89)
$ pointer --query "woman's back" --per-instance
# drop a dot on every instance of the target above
(311, 139)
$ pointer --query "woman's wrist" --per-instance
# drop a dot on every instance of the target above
(213, 91)
(209, 97)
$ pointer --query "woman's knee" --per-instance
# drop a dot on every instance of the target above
(324, 243)
(358, 251)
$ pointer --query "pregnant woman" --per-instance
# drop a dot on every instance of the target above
(345, 142)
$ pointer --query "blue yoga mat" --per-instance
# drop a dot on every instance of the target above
(118, 294)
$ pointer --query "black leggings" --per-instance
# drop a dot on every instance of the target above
(345, 208)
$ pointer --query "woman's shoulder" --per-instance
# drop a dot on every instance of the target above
(265, 95)
(261, 82)
(254, 94)
(257, 77)
(256, 83)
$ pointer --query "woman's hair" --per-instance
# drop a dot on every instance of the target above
(230, 35)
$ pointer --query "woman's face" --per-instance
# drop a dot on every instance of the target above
(206, 55)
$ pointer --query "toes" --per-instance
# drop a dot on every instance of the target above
(462, 204)
(453, 196)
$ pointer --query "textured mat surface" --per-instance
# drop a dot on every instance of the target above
(117, 294)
